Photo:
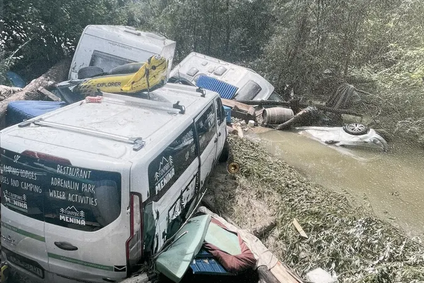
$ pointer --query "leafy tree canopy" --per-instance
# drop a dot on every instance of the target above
(45, 31)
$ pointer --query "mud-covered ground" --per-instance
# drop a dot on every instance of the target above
(343, 239)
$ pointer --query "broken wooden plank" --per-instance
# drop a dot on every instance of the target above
(299, 228)
(239, 130)
(48, 94)
(283, 273)
(233, 103)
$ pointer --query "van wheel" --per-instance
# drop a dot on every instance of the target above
(89, 72)
(225, 152)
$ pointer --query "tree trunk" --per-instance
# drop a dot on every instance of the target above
(55, 74)
(6, 91)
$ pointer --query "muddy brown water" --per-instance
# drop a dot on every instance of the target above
(389, 184)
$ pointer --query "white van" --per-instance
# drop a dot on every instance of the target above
(93, 189)
(229, 80)
(108, 46)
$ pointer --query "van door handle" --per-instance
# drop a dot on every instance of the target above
(215, 140)
(65, 246)
(219, 134)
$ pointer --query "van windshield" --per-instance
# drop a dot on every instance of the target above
(50, 189)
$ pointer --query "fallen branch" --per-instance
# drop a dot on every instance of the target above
(48, 94)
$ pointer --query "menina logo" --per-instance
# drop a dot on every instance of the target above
(72, 215)
(164, 174)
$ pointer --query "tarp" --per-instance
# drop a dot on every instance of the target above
(18, 111)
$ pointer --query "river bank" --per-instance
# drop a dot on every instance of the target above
(343, 238)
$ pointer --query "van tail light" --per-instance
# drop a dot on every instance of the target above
(46, 157)
(134, 244)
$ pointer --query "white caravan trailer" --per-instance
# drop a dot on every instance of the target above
(94, 189)
(108, 46)
(229, 80)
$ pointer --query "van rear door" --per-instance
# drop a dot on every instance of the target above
(66, 220)
(86, 221)
(22, 223)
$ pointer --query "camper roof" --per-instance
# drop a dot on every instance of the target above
(126, 35)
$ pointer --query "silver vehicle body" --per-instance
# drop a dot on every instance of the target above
(337, 136)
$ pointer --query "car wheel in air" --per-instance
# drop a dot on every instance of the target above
(355, 129)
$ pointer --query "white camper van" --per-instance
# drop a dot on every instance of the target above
(107, 46)
(229, 80)
(92, 189)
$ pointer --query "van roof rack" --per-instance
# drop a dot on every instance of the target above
(202, 91)
(137, 142)
(140, 102)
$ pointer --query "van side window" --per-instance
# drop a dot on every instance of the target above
(168, 166)
(206, 128)
(220, 111)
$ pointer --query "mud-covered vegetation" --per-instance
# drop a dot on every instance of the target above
(342, 238)
(375, 45)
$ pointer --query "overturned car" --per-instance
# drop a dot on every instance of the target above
(350, 135)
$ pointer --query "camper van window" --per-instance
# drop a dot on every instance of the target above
(60, 194)
(168, 166)
(248, 91)
(192, 71)
(107, 61)
(220, 71)
(206, 128)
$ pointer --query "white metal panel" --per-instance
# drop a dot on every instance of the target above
(235, 75)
